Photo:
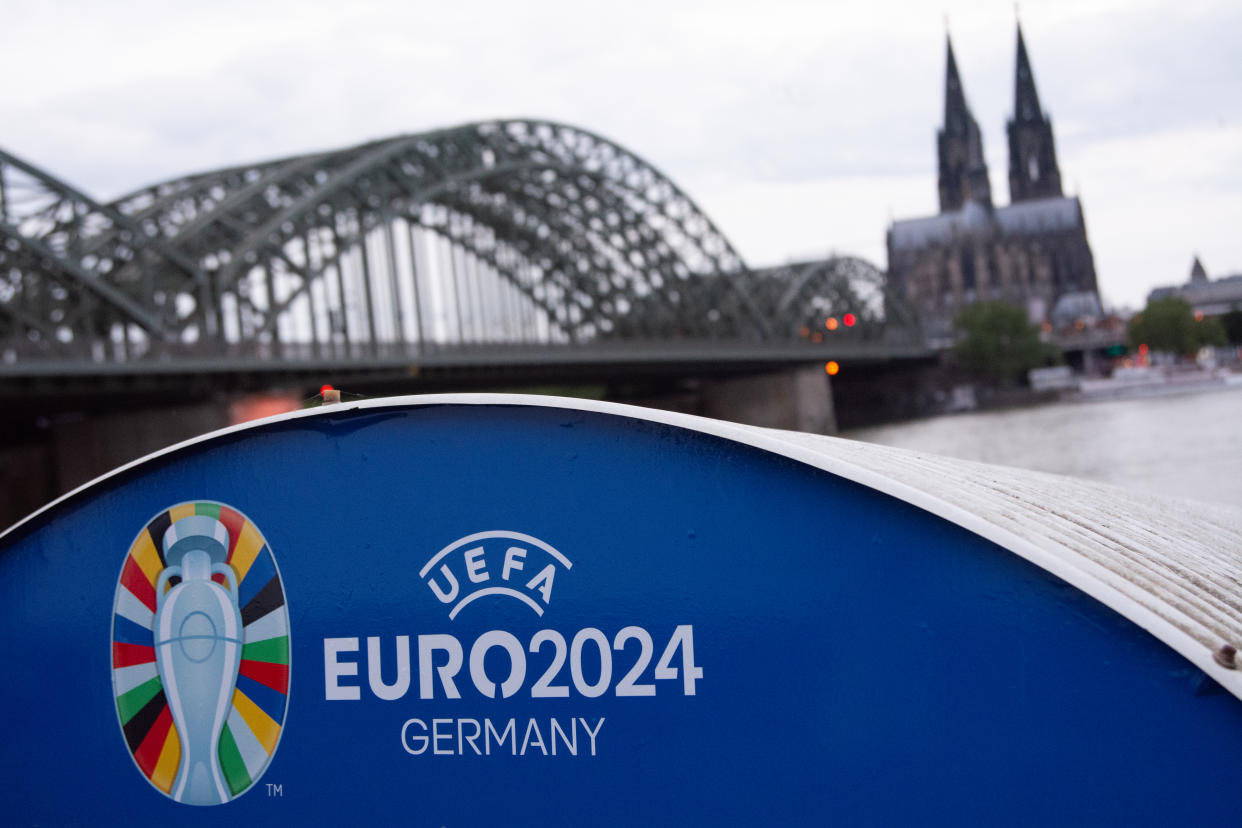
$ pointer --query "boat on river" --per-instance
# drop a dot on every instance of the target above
(1154, 381)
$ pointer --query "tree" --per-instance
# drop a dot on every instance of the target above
(1170, 325)
(997, 341)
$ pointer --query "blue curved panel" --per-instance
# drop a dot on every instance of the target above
(669, 628)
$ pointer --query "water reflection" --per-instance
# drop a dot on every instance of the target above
(1182, 446)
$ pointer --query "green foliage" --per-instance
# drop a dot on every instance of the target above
(1212, 333)
(1169, 325)
(996, 341)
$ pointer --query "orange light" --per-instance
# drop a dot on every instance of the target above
(804, 332)
(831, 324)
(817, 337)
(849, 319)
(257, 406)
(1198, 316)
(1143, 349)
(832, 368)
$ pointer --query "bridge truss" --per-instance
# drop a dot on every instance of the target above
(499, 233)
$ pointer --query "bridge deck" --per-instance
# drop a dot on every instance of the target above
(257, 365)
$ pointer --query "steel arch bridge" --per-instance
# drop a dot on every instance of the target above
(492, 234)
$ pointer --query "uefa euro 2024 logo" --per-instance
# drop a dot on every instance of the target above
(200, 653)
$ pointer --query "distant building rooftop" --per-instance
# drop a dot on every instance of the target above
(1211, 296)
(1024, 218)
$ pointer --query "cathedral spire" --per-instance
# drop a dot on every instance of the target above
(1026, 106)
(959, 144)
(1197, 272)
(956, 113)
(1033, 169)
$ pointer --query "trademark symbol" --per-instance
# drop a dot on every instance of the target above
(275, 790)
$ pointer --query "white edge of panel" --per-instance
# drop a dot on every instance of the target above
(1063, 563)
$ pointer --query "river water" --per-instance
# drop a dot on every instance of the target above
(1187, 445)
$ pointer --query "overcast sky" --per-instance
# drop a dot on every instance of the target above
(801, 128)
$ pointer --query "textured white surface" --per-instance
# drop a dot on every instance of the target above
(1182, 553)
(1173, 567)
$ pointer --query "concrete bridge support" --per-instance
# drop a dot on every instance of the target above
(798, 399)
(65, 451)
(83, 448)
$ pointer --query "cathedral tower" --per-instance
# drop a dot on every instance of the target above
(963, 172)
(1033, 170)
(1031, 253)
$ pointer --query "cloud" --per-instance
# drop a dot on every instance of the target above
(1147, 220)
(798, 126)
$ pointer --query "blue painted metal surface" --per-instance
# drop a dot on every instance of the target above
(861, 661)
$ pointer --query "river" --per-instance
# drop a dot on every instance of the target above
(1188, 445)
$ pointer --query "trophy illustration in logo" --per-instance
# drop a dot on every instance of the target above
(198, 650)
(200, 653)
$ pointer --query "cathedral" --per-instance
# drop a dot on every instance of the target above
(1032, 253)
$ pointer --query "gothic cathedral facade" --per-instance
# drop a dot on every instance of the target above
(1032, 253)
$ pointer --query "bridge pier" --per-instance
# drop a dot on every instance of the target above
(82, 448)
(62, 452)
(797, 399)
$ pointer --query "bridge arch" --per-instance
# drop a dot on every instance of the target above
(567, 221)
(72, 267)
(801, 296)
(521, 232)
